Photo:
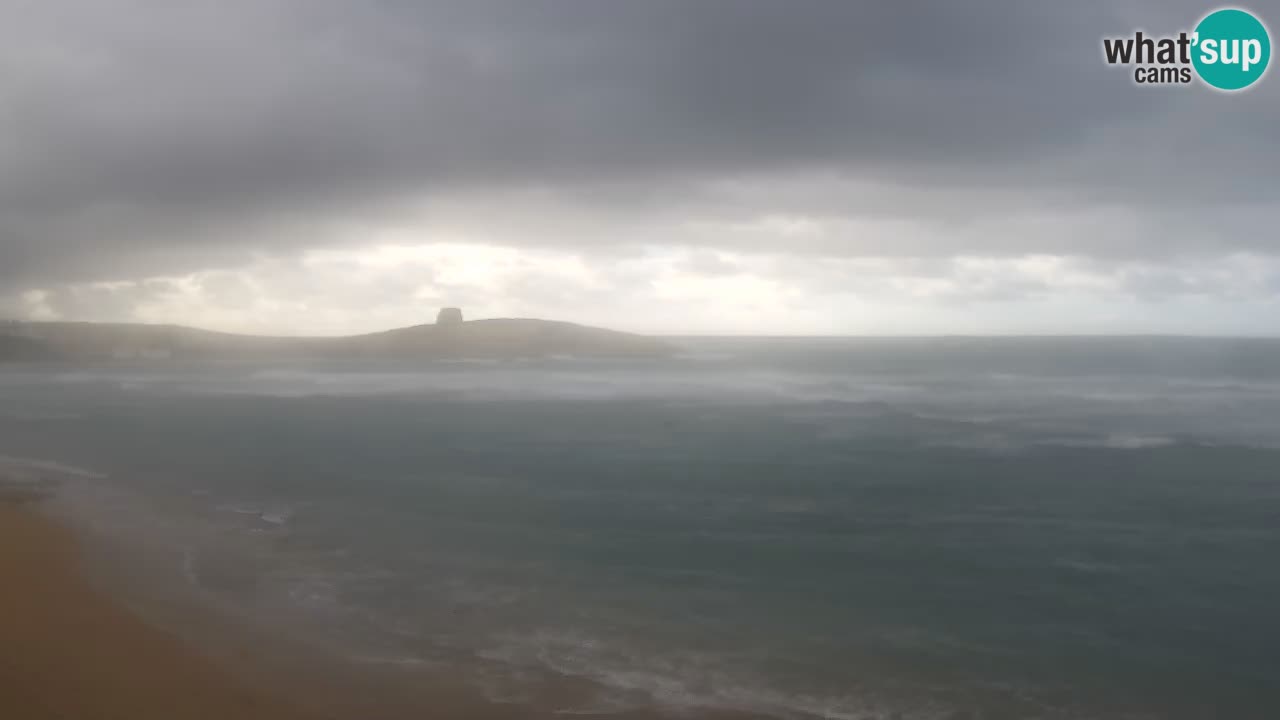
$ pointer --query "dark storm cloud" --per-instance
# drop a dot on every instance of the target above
(142, 136)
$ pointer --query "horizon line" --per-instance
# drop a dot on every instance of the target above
(705, 335)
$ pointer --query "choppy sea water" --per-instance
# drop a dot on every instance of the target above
(907, 529)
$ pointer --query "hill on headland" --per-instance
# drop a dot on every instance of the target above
(450, 338)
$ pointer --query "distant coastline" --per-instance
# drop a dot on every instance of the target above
(450, 337)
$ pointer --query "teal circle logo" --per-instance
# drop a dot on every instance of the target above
(1231, 49)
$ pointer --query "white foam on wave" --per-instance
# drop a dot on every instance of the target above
(1111, 441)
(278, 516)
(678, 693)
(1123, 441)
(677, 681)
(996, 442)
(28, 479)
(20, 465)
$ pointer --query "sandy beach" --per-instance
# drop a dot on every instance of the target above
(66, 651)
(69, 651)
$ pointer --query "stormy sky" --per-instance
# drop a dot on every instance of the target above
(691, 166)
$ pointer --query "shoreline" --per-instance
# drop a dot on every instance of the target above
(79, 642)
(69, 651)
(73, 648)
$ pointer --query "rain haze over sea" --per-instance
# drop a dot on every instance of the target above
(861, 528)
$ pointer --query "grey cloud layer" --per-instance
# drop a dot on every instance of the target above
(140, 136)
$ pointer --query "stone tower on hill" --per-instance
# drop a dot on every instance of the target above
(449, 316)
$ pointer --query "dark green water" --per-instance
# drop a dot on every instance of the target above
(947, 528)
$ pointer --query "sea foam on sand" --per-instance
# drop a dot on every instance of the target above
(25, 480)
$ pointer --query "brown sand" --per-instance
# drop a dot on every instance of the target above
(69, 653)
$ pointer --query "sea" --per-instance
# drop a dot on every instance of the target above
(844, 528)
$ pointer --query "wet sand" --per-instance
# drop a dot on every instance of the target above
(68, 652)
(71, 652)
